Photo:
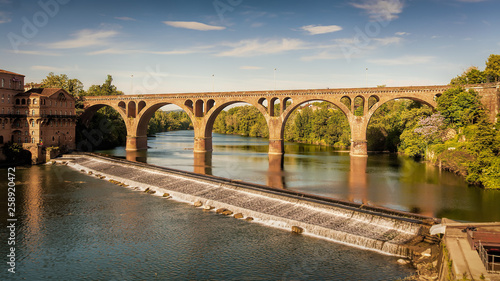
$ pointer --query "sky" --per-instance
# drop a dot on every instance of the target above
(175, 46)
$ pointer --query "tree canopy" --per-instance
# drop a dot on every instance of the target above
(492, 70)
(72, 86)
(106, 89)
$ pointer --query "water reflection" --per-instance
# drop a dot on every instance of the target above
(387, 180)
(203, 163)
(275, 173)
(358, 180)
(137, 156)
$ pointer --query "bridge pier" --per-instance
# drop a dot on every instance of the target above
(359, 148)
(276, 147)
(203, 144)
(135, 143)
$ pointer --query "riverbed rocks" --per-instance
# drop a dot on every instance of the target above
(249, 219)
(220, 211)
(227, 213)
(198, 204)
(208, 207)
(297, 229)
(238, 216)
(166, 195)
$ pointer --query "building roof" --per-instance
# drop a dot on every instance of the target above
(46, 92)
(9, 72)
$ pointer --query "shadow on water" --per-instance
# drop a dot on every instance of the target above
(385, 180)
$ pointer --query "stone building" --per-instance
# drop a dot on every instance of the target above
(39, 118)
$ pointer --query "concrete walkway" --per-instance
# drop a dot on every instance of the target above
(466, 264)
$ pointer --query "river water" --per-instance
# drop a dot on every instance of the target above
(75, 227)
(381, 179)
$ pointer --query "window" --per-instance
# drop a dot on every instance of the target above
(50, 112)
(27, 124)
(33, 112)
(32, 140)
(19, 140)
(26, 139)
(35, 101)
(18, 112)
(32, 133)
(55, 103)
(50, 103)
(32, 123)
(23, 101)
(3, 82)
(26, 133)
(3, 99)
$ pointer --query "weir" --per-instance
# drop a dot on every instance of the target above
(374, 228)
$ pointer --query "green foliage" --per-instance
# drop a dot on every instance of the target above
(169, 121)
(322, 124)
(72, 86)
(471, 76)
(242, 120)
(106, 89)
(388, 123)
(13, 151)
(460, 107)
(492, 70)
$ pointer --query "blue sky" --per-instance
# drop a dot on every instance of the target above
(226, 45)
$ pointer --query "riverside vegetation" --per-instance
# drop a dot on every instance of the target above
(457, 135)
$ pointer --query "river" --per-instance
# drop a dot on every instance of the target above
(72, 226)
(75, 227)
(385, 180)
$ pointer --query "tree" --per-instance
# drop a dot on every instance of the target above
(106, 89)
(492, 70)
(471, 76)
(72, 86)
(460, 107)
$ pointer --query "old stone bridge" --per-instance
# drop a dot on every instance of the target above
(203, 109)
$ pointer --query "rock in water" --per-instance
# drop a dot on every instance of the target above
(297, 229)
(198, 204)
(238, 216)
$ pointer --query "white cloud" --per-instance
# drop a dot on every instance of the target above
(321, 29)
(84, 38)
(405, 60)
(125, 18)
(387, 40)
(248, 67)
(5, 17)
(325, 55)
(402, 33)
(35, 53)
(193, 25)
(118, 51)
(381, 10)
(247, 48)
(52, 68)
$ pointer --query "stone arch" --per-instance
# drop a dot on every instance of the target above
(122, 106)
(376, 106)
(289, 111)
(285, 101)
(145, 116)
(199, 108)
(132, 109)
(189, 104)
(209, 106)
(91, 110)
(374, 140)
(346, 100)
(372, 100)
(141, 106)
(218, 109)
(359, 102)
(271, 104)
(23, 101)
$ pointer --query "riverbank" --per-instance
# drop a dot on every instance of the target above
(373, 228)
